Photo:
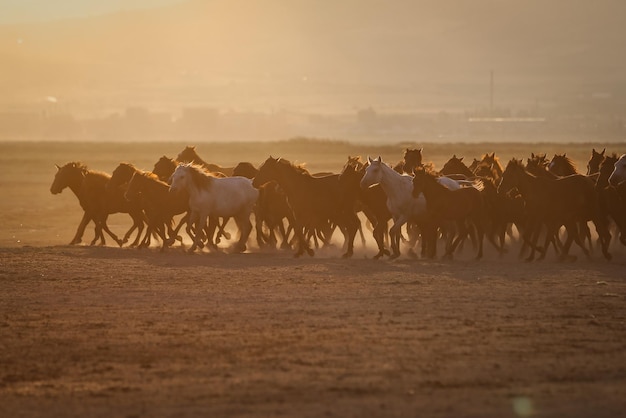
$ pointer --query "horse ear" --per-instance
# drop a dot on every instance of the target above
(380, 159)
(369, 159)
(420, 150)
(603, 150)
(461, 159)
(57, 166)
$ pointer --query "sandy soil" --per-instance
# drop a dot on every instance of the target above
(120, 332)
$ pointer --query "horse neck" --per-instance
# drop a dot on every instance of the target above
(606, 169)
(289, 178)
(393, 183)
(76, 183)
(527, 184)
(433, 190)
(152, 186)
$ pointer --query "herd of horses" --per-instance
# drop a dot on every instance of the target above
(540, 203)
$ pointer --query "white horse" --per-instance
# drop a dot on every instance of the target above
(400, 202)
(619, 172)
(213, 197)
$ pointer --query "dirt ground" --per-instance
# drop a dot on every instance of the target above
(121, 332)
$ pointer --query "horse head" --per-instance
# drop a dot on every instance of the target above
(593, 166)
(373, 173)
(511, 176)
(70, 175)
(619, 172)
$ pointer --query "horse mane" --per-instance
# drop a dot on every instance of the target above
(201, 178)
(76, 165)
(150, 176)
(191, 156)
(299, 168)
(570, 163)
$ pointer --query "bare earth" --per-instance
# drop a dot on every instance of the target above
(120, 332)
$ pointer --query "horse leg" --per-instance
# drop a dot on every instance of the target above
(245, 227)
(394, 233)
(379, 233)
(577, 235)
(221, 232)
(138, 223)
(211, 235)
(601, 224)
(197, 221)
(81, 229)
(352, 226)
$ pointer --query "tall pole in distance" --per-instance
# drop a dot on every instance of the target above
(491, 94)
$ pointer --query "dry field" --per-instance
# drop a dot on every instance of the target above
(105, 331)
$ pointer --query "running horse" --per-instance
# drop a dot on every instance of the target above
(401, 204)
(189, 155)
(372, 201)
(462, 206)
(619, 171)
(456, 167)
(89, 187)
(411, 160)
(561, 165)
(212, 197)
(556, 202)
(316, 202)
(159, 205)
(593, 166)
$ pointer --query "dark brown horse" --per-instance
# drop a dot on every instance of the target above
(270, 213)
(463, 206)
(160, 206)
(90, 188)
(456, 166)
(164, 168)
(245, 169)
(118, 184)
(316, 202)
(411, 160)
(593, 166)
(189, 155)
(554, 203)
(561, 165)
(373, 201)
(488, 167)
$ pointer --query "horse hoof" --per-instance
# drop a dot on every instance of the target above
(347, 255)
(394, 256)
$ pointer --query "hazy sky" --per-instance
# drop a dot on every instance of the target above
(21, 11)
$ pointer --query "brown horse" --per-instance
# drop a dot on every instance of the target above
(189, 155)
(316, 202)
(489, 167)
(90, 188)
(462, 206)
(245, 169)
(117, 184)
(373, 201)
(271, 210)
(411, 160)
(456, 166)
(593, 166)
(554, 203)
(164, 168)
(158, 204)
(561, 165)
